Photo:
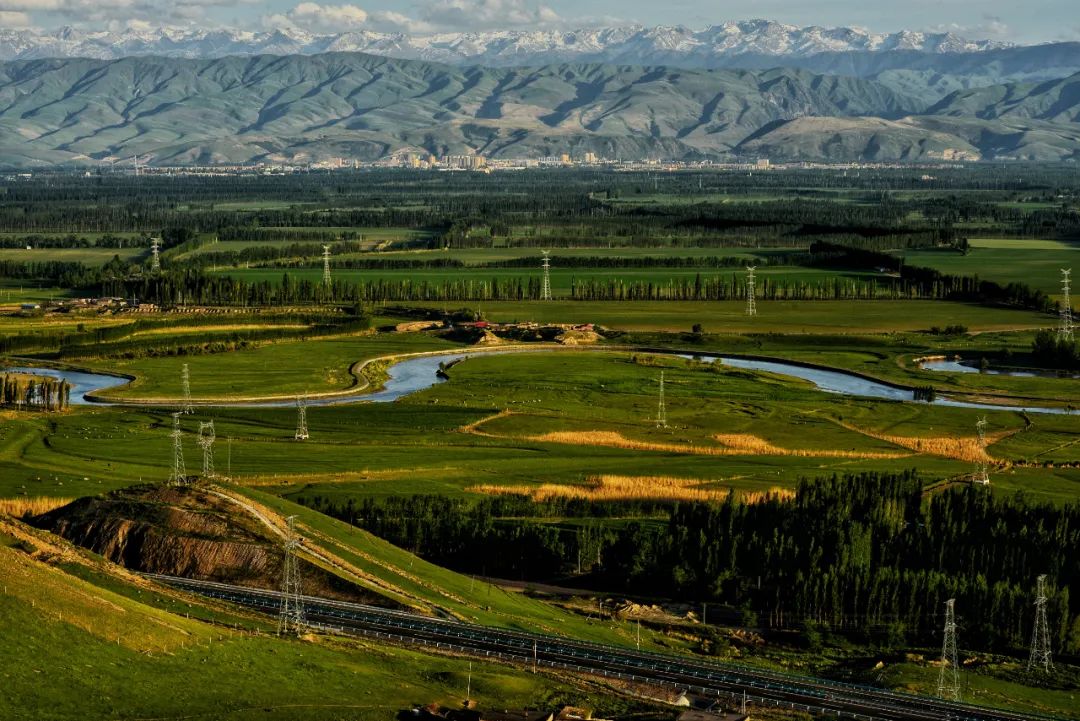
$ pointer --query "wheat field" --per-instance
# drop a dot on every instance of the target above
(35, 506)
(734, 444)
(626, 488)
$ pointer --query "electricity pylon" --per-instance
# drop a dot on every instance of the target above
(179, 472)
(326, 265)
(291, 614)
(545, 289)
(982, 468)
(751, 304)
(661, 409)
(155, 255)
(206, 442)
(185, 390)
(1040, 635)
(1065, 329)
(301, 419)
(948, 685)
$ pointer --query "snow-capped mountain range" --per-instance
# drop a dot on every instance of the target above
(677, 45)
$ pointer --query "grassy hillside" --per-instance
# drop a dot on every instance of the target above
(101, 652)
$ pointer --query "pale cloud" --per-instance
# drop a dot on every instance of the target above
(436, 16)
(488, 14)
(14, 19)
(327, 18)
(113, 13)
(991, 27)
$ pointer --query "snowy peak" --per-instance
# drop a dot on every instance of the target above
(676, 45)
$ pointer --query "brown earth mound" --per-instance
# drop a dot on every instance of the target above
(187, 531)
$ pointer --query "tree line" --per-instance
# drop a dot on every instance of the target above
(866, 553)
(30, 392)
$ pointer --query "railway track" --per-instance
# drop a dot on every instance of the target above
(728, 682)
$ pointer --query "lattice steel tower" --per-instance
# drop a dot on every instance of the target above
(179, 472)
(1040, 635)
(206, 442)
(1065, 330)
(661, 409)
(155, 255)
(185, 390)
(301, 419)
(545, 289)
(982, 467)
(948, 685)
(326, 265)
(291, 614)
(751, 304)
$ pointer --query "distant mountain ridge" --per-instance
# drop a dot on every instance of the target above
(632, 44)
(299, 108)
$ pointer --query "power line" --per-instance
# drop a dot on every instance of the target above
(661, 410)
(545, 289)
(179, 472)
(185, 390)
(206, 442)
(751, 304)
(301, 419)
(291, 615)
(948, 685)
(1065, 330)
(982, 466)
(1040, 634)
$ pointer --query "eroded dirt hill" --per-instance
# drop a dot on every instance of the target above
(188, 531)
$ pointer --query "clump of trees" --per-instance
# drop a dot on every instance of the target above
(864, 554)
(1051, 351)
(30, 392)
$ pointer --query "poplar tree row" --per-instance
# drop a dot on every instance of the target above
(28, 392)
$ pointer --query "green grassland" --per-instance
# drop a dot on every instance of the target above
(420, 444)
(286, 368)
(88, 256)
(1034, 262)
(97, 653)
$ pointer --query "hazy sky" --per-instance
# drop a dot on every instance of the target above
(1023, 22)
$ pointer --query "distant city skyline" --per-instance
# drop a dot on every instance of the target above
(1033, 22)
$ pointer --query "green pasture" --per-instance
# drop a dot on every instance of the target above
(1037, 263)
(418, 445)
(283, 368)
(87, 256)
(64, 670)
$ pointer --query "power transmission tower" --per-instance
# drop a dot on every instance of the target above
(179, 472)
(982, 468)
(661, 410)
(1040, 635)
(1065, 330)
(185, 390)
(948, 685)
(291, 615)
(155, 255)
(301, 419)
(206, 442)
(326, 265)
(545, 289)
(751, 304)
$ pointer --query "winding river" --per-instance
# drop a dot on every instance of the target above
(417, 373)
